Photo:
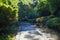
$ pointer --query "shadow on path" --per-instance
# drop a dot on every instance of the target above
(26, 31)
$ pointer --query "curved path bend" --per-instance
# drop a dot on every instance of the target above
(26, 31)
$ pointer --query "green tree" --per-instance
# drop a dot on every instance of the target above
(54, 6)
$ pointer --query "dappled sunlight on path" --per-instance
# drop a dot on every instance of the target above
(37, 34)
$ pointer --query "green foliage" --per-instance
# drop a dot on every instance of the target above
(25, 2)
(14, 3)
(8, 10)
(8, 33)
(10, 2)
(26, 12)
(43, 8)
(7, 14)
(6, 36)
(53, 5)
(57, 13)
(54, 23)
(5, 1)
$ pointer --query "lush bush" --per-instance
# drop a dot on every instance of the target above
(47, 18)
(54, 23)
(54, 5)
(7, 14)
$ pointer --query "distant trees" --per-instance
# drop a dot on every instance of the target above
(26, 10)
(38, 8)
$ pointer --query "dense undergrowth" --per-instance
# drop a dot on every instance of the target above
(8, 19)
(54, 23)
(8, 33)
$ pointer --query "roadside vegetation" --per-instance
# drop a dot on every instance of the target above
(8, 19)
(40, 12)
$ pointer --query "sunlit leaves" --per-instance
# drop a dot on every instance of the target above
(14, 3)
(41, 1)
(25, 2)
(8, 11)
(5, 1)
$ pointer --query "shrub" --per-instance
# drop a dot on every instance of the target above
(7, 14)
(54, 23)
(40, 19)
(47, 18)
